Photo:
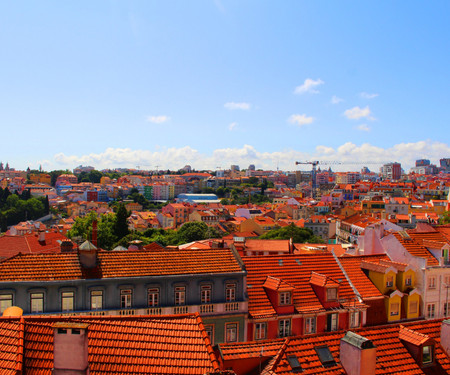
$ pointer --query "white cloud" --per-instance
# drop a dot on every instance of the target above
(232, 126)
(364, 128)
(356, 113)
(366, 95)
(175, 158)
(336, 100)
(308, 86)
(233, 106)
(300, 120)
(158, 119)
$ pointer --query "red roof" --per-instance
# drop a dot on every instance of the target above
(116, 345)
(392, 356)
(66, 266)
(295, 270)
(29, 243)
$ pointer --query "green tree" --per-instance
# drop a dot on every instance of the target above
(298, 235)
(192, 231)
(445, 218)
(120, 228)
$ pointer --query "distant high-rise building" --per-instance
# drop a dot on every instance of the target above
(422, 162)
(391, 171)
(445, 164)
(235, 168)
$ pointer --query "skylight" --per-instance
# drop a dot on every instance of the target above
(294, 363)
(280, 262)
(325, 356)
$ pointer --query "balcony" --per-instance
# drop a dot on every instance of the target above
(204, 310)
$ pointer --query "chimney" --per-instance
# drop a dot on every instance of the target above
(291, 246)
(70, 348)
(445, 336)
(87, 255)
(94, 233)
(66, 246)
(41, 236)
(358, 355)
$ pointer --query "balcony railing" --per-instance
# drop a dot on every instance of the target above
(204, 309)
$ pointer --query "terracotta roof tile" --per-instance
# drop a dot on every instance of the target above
(138, 345)
(66, 266)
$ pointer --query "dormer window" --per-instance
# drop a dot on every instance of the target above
(285, 298)
(389, 281)
(427, 355)
(331, 294)
(408, 280)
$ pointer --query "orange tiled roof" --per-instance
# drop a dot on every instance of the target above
(392, 355)
(29, 243)
(352, 267)
(116, 345)
(66, 266)
(416, 249)
(294, 269)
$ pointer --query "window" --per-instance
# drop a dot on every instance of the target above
(231, 332)
(67, 301)
(310, 324)
(284, 327)
(285, 298)
(389, 281)
(125, 298)
(413, 307)
(408, 280)
(206, 294)
(6, 300)
(332, 322)
(260, 331)
(96, 299)
(354, 319)
(431, 310)
(294, 363)
(230, 292)
(427, 354)
(395, 309)
(446, 309)
(331, 294)
(37, 302)
(209, 328)
(432, 282)
(180, 295)
(153, 297)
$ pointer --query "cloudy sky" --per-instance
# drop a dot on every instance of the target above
(214, 83)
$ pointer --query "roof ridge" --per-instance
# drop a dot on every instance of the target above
(346, 276)
(206, 338)
(20, 346)
(28, 245)
(280, 353)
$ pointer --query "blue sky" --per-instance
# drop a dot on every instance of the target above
(214, 83)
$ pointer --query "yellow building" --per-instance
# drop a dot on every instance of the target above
(396, 281)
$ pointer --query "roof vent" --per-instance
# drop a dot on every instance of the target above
(280, 262)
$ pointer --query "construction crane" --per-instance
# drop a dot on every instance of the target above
(315, 163)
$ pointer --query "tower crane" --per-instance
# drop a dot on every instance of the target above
(315, 163)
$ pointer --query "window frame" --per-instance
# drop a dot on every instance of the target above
(335, 298)
(180, 295)
(432, 282)
(153, 297)
(231, 332)
(4, 298)
(34, 298)
(389, 281)
(126, 298)
(413, 303)
(209, 329)
(94, 295)
(285, 298)
(355, 319)
(230, 292)
(260, 330)
(284, 327)
(310, 325)
(431, 310)
(430, 354)
(66, 297)
(394, 309)
(205, 294)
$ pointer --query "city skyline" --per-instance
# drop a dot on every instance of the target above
(215, 83)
